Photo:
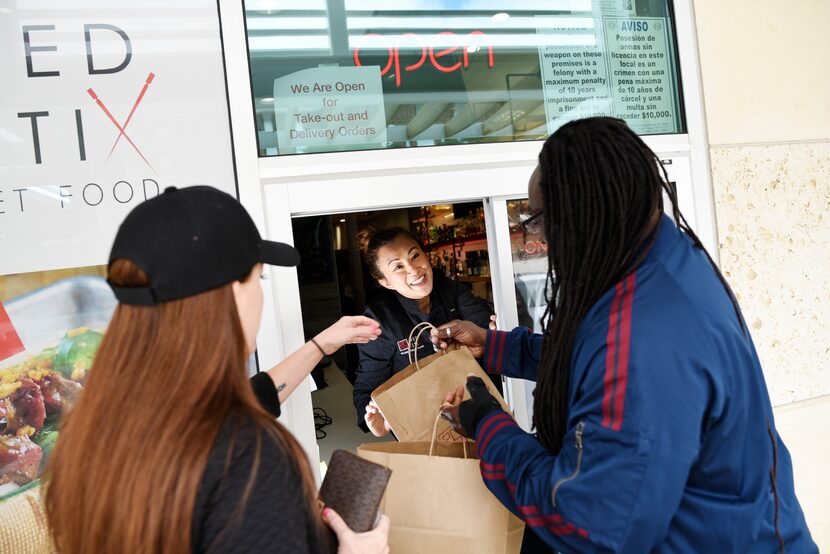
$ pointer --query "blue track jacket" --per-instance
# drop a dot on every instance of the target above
(671, 444)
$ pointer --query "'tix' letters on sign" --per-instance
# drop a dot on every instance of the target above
(442, 44)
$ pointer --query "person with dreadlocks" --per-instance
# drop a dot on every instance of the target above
(655, 428)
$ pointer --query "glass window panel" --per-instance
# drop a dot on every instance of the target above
(530, 270)
(342, 75)
(530, 264)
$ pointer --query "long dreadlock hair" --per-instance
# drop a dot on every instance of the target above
(603, 194)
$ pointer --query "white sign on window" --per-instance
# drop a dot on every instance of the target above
(330, 106)
(101, 112)
(615, 66)
(640, 71)
(574, 69)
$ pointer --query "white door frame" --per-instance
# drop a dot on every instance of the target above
(281, 329)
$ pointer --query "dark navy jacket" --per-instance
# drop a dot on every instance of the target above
(671, 443)
(389, 353)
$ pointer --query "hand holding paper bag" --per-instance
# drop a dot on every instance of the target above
(458, 333)
(404, 399)
(465, 416)
(432, 458)
(375, 420)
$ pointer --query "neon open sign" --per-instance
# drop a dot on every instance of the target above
(442, 45)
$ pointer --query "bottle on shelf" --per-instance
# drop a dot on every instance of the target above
(433, 233)
(472, 262)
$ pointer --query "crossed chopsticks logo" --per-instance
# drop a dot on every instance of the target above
(122, 130)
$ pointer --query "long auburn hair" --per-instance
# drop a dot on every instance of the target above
(127, 466)
(601, 188)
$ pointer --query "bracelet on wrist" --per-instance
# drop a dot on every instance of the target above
(320, 348)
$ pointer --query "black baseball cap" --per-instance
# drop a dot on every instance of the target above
(191, 240)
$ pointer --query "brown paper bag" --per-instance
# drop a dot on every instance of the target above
(403, 398)
(438, 503)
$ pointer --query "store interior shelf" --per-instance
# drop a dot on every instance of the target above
(457, 241)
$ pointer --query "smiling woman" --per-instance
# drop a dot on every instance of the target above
(409, 293)
(397, 261)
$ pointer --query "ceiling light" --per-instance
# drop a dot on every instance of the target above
(267, 100)
(501, 16)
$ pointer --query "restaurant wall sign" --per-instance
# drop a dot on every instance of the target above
(100, 113)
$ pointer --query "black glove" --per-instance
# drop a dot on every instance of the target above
(466, 417)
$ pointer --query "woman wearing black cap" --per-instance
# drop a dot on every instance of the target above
(169, 448)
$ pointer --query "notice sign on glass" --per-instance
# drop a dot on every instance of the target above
(322, 107)
(574, 64)
(617, 66)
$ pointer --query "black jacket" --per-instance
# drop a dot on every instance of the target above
(275, 519)
(389, 353)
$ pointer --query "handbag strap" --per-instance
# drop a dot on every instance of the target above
(464, 440)
(416, 332)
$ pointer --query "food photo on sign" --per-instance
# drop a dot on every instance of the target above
(51, 324)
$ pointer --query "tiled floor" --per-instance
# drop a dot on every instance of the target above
(336, 400)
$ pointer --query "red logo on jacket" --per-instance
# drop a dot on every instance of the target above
(403, 346)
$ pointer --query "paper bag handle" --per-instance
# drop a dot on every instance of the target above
(417, 331)
(435, 432)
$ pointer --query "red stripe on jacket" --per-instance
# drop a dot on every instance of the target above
(625, 349)
(492, 432)
(610, 358)
(500, 355)
(554, 523)
(491, 348)
(618, 341)
(489, 423)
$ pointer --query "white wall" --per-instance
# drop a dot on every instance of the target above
(805, 428)
(765, 68)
